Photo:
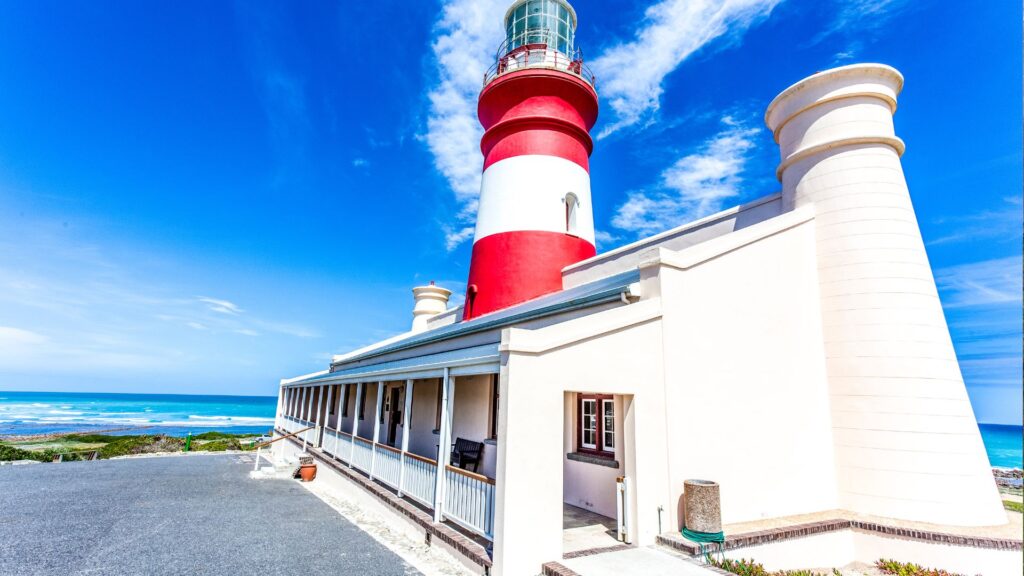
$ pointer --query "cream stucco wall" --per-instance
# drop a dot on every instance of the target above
(471, 417)
(606, 353)
(746, 393)
(422, 439)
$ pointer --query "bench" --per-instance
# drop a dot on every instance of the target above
(466, 452)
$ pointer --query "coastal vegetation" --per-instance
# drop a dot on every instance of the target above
(1014, 506)
(745, 567)
(82, 446)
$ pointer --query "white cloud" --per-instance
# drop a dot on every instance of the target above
(985, 283)
(469, 31)
(859, 21)
(694, 186)
(862, 15)
(360, 163)
(1002, 223)
(10, 337)
(630, 75)
(604, 238)
(222, 306)
(196, 325)
(453, 237)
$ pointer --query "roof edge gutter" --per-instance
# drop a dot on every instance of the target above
(583, 302)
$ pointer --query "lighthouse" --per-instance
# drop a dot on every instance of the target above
(537, 107)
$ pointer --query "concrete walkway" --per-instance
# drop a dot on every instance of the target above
(196, 514)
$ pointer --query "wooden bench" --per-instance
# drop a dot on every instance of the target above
(466, 452)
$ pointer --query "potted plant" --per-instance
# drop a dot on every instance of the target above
(307, 468)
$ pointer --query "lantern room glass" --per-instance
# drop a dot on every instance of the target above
(549, 22)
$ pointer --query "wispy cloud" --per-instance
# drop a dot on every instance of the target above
(468, 33)
(859, 21)
(265, 32)
(985, 283)
(982, 302)
(69, 305)
(605, 239)
(696, 185)
(11, 336)
(631, 74)
(222, 306)
(999, 223)
(455, 235)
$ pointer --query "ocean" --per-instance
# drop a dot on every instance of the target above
(24, 413)
(1003, 444)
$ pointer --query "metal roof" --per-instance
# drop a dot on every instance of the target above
(585, 295)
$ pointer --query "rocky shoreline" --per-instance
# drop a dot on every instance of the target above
(1008, 477)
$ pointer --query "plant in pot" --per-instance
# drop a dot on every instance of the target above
(307, 468)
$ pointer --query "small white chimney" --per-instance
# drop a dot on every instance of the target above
(430, 301)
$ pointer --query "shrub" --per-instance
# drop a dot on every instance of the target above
(909, 569)
(744, 567)
(218, 445)
(1013, 506)
(10, 453)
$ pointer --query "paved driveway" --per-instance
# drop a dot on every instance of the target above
(174, 515)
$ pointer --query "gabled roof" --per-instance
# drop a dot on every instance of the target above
(603, 290)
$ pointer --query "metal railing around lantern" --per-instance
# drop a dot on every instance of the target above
(537, 53)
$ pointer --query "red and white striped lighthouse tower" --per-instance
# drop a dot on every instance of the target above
(537, 107)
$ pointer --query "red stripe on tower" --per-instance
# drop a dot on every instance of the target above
(537, 109)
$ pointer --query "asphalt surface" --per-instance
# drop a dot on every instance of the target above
(174, 515)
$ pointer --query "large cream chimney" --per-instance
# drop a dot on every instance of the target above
(430, 301)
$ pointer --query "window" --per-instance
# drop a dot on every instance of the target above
(608, 425)
(333, 402)
(596, 424)
(494, 407)
(589, 424)
(571, 205)
(344, 401)
(537, 22)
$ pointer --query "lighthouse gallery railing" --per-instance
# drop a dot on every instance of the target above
(540, 53)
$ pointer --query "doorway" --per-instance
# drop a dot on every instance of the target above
(394, 414)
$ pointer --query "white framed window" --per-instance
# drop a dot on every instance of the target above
(572, 204)
(588, 415)
(595, 424)
(608, 425)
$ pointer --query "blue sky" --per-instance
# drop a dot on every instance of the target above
(204, 197)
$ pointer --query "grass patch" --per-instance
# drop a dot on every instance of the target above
(108, 446)
(220, 436)
(1013, 506)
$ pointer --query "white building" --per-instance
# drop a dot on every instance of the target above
(792, 349)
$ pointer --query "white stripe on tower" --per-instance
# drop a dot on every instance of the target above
(529, 192)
